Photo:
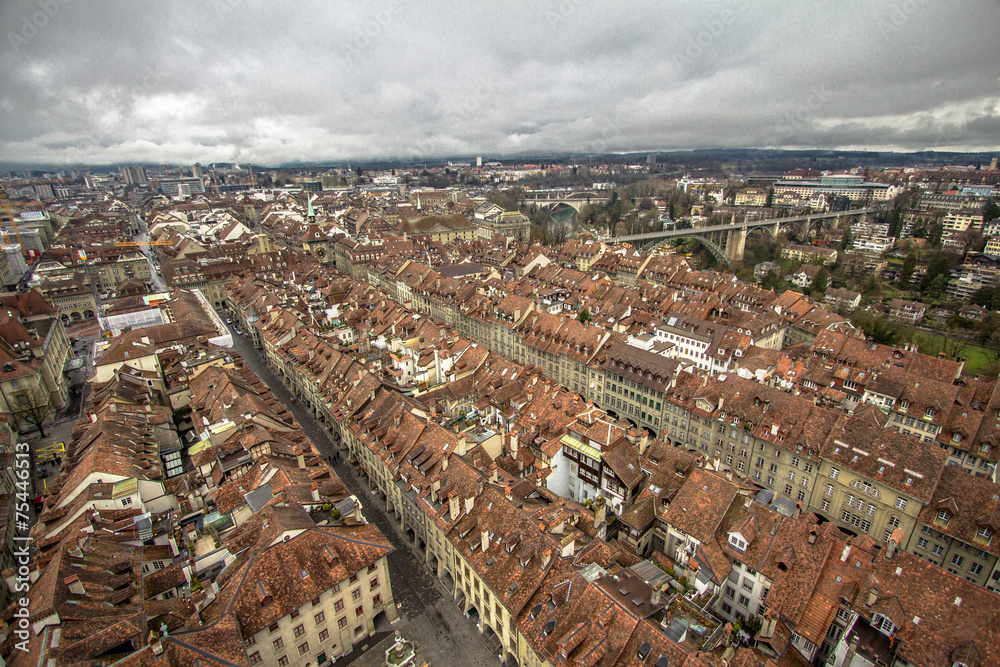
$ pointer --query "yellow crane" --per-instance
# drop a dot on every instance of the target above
(13, 218)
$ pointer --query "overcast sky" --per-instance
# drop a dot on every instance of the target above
(87, 82)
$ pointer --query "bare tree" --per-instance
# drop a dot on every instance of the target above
(32, 407)
(953, 347)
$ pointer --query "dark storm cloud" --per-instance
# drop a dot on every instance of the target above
(232, 80)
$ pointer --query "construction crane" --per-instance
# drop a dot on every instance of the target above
(13, 219)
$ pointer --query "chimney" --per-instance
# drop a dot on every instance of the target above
(157, 646)
(872, 597)
(470, 504)
(461, 444)
(507, 493)
(301, 459)
(600, 512)
(479, 487)
(890, 549)
(643, 442)
(546, 558)
(73, 584)
(513, 444)
(444, 463)
(485, 540)
(453, 505)
(722, 401)
(567, 546)
(812, 536)
(315, 492)
(656, 597)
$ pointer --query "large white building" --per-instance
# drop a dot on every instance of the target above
(838, 185)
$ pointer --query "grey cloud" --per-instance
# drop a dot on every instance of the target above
(318, 81)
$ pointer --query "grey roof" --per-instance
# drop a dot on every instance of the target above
(259, 497)
(649, 573)
(592, 572)
(767, 497)
(144, 526)
(345, 506)
(676, 630)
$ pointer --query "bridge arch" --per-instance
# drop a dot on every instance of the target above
(717, 251)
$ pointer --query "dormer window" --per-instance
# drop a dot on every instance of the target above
(904, 405)
(944, 516)
(737, 542)
(984, 535)
(956, 437)
(883, 624)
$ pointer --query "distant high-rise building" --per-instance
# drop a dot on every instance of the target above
(197, 171)
(134, 175)
(44, 191)
(479, 161)
(181, 186)
(993, 164)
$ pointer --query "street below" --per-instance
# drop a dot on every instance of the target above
(446, 638)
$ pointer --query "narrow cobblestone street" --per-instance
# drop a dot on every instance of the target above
(428, 615)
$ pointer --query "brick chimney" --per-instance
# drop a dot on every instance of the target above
(453, 505)
(315, 492)
(461, 444)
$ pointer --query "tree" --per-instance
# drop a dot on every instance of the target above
(32, 407)
(988, 329)
(845, 242)
(906, 273)
(879, 328)
(938, 266)
(584, 316)
(991, 210)
(820, 282)
(771, 281)
(953, 347)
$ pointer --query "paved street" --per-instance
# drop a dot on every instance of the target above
(146, 250)
(444, 635)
